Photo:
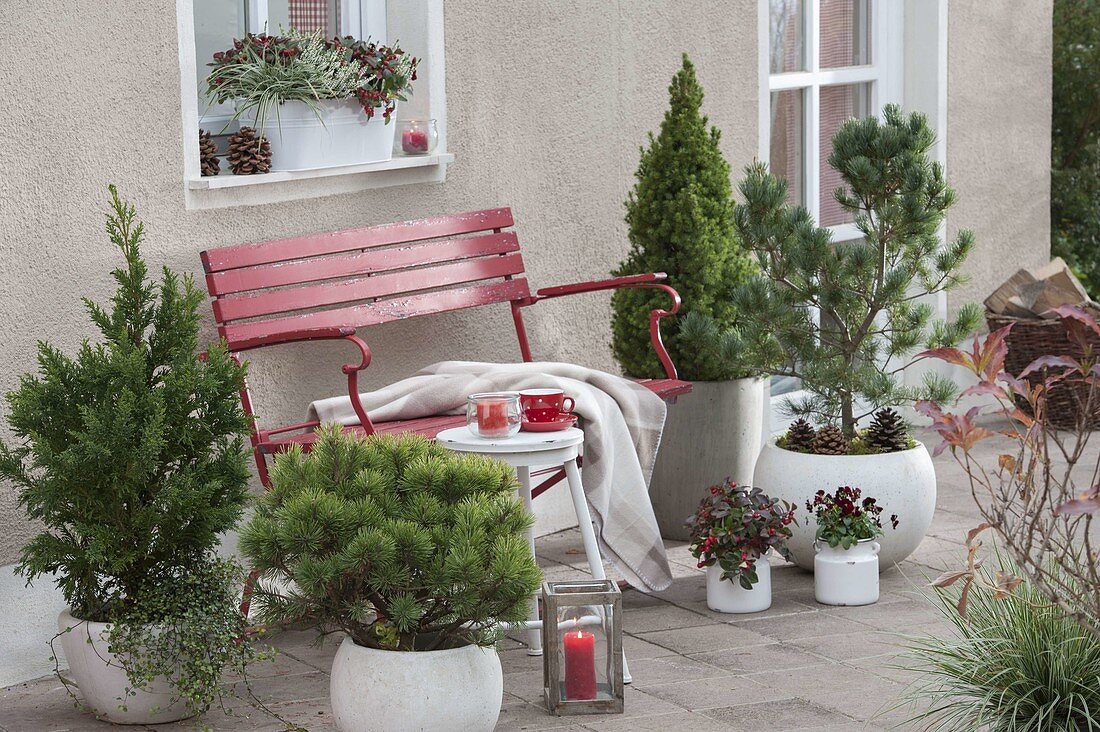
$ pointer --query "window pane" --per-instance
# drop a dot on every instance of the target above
(845, 33)
(307, 16)
(838, 104)
(217, 23)
(786, 36)
(786, 148)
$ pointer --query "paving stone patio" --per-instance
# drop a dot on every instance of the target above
(796, 666)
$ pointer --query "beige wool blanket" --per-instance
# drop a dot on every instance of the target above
(622, 422)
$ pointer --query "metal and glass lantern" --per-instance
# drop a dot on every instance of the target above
(582, 641)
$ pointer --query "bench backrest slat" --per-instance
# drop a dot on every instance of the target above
(364, 277)
(255, 333)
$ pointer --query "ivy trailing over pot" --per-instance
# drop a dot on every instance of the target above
(261, 71)
(396, 541)
(735, 527)
(131, 456)
(843, 520)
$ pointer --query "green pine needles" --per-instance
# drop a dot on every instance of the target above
(680, 218)
(846, 318)
(396, 541)
(131, 456)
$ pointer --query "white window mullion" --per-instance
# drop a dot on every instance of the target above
(257, 16)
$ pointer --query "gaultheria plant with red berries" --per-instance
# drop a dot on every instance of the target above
(843, 519)
(735, 526)
(1042, 493)
(260, 72)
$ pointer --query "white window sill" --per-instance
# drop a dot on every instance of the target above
(374, 169)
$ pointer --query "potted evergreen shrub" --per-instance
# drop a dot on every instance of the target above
(318, 102)
(680, 219)
(130, 455)
(415, 553)
(846, 564)
(732, 532)
(846, 318)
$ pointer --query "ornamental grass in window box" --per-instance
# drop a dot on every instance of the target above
(732, 532)
(130, 454)
(416, 554)
(318, 102)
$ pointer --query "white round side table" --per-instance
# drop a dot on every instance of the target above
(521, 451)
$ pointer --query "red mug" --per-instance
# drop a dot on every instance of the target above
(544, 405)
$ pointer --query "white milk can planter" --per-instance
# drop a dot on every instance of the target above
(903, 483)
(102, 679)
(427, 691)
(336, 133)
(728, 596)
(847, 576)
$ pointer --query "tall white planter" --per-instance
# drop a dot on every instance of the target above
(903, 483)
(102, 680)
(847, 576)
(415, 691)
(337, 133)
(726, 596)
(712, 433)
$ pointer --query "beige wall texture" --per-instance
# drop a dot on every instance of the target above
(548, 101)
(998, 136)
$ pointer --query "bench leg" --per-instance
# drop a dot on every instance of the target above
(588, 534)
(534, 636)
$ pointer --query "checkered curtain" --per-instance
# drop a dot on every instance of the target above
(310, 16)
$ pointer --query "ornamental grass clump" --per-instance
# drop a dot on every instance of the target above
(396, 541)
(260, 72)
(1013, 662)
(843, 520)
(130, 457)
(735, 526)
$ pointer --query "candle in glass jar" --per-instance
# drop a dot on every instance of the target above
(579, 650)
(492, 418)
(414, 140)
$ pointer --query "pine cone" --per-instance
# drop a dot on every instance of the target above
(247, 154)
(888, 432)
(829, 440)
(208, 154)
(800, 436)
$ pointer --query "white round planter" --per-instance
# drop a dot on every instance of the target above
(415, 691)
(903, 483)
(726, 596)
(102, 680)
(711, 434)
(847, 576)
(337, 133)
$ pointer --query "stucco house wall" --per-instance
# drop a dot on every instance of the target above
(547, 103)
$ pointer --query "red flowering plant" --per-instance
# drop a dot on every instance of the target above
(1040, 494)
(735, 526)
(260, 72)
(844, 520)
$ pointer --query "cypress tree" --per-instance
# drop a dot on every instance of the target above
(680, 218)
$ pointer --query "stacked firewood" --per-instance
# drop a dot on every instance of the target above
(1033, 293)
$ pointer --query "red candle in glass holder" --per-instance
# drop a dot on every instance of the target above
(579, 650)
(492, 418)
(414, 141)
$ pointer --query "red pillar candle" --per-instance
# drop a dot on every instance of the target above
(414, 141)
(579, 650)
(492, 418)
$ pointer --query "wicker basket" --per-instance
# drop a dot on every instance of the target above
(1031, 338)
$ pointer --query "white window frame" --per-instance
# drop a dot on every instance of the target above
(359, 18)
(230, 190)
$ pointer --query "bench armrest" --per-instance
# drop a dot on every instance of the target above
(650, 281)
(351, 370)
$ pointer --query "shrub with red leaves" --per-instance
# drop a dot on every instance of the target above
(735, 526)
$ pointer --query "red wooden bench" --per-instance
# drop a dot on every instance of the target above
(328, 286)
